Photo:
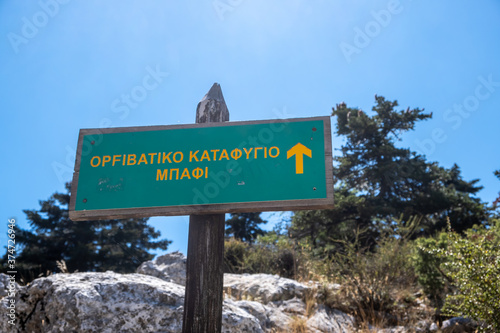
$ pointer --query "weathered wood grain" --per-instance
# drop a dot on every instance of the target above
(204, 275)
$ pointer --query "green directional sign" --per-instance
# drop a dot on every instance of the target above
(203, 168)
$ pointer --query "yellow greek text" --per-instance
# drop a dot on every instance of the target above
(185, 173)
(130, 159)
(142, 159)
(248, 152)
(105, 159)
(193, 156)
(223, 154)
(277, 152)
(205, 156)
(98, 161)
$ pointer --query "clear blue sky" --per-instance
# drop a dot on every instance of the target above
(67, 65)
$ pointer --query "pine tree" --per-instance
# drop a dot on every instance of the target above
(117, 245)
(244, 226)
(327, 229)
(388, 183)
(497, 201)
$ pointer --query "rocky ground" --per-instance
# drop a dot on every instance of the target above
(152, 299)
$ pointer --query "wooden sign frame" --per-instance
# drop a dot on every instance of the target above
(233, 207)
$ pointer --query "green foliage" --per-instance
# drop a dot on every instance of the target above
(428, 267)
(235, 256)
(377, 286)
(376, 181)
(473, 263)
(321, 229)
(395, 180)
(465, 269)
(273, 253)
(497, 201)
(244, 226)
(118, 245)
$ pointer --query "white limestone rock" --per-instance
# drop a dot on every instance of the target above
(153, 302)
(170, 267)
(459, 324)
(100, 302)
(292, 306)
(264, 288)
(330, 320)
(433, 328)
(270, 317)
(109, 302)
(7, 285)
(235, 319)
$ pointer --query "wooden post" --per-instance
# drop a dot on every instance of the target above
(204, 275)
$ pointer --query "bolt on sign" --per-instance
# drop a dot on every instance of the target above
(268, 165)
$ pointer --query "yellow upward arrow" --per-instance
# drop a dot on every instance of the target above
(299, 150)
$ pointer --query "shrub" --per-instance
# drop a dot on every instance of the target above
(377, 287)
(271, 254)
(428, 267)
(473, 264)
(463, 272)
(234, 255)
